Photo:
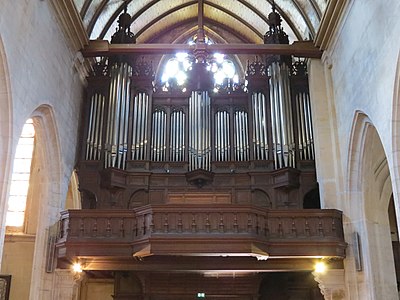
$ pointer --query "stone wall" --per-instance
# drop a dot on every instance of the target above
(354, 92)
(37, 79)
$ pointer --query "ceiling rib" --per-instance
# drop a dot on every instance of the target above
(163, 15)
(154, 21)
(85, 8)
(228, 12)
(305, 17)
(316, 8)
(96, 15)
(311, 13)
(194, 22)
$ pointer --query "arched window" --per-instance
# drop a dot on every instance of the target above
(20, 177)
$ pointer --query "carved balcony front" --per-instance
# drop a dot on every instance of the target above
(201, 231)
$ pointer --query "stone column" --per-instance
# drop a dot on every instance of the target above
(331, 284)
(66, 285)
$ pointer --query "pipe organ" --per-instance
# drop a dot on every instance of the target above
(270, 121)
(192, 120)
(243, 138)
(200, 161)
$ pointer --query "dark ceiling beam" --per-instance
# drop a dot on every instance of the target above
(103, 48)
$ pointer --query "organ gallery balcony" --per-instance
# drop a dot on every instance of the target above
(199, 230)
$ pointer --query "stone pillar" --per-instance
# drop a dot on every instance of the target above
(66, 285)
(331, 284)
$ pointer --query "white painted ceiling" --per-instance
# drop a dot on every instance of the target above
(172, 21)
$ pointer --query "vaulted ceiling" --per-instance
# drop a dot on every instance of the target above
(172, 21)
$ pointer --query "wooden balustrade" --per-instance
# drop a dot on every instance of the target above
(201, 230)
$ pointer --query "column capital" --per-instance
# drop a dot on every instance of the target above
(331, 284)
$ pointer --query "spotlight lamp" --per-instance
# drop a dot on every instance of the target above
(320, 267)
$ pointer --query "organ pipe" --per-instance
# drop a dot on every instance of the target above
(177, 136)
(241, 136)
(118, 116)
(260, 136)
(159, 135)
(94, 137)
(302, 107)
(222, 139)
(281, 115)
(199, 133)
(139, 126)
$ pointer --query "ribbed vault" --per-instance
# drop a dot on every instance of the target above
(233, 20)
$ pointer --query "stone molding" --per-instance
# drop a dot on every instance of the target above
(71, 23)
(329, 22)
(331, 284)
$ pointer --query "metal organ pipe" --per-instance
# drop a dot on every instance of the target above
(199, 134)
(241, 136)
(281, 115)
(304, 124)
(222, 140)
(139, 126)
(260, 137)
(159, 135)
(177, 136)
(118, 114)
(94, 137)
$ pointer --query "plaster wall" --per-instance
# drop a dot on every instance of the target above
(21, 269)
(353, 92)
(363, 60)
(43, 84)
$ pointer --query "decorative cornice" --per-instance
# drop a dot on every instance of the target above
(71, 23)
(329, 23)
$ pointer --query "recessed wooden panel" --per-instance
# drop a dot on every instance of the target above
(199, 198)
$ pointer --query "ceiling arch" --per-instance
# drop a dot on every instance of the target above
(245, 17)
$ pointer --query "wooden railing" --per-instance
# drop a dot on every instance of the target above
(191, 229)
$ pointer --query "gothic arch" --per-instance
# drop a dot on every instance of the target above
(396, 139)
(5, 137)
(47, 188)
(368, 195)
